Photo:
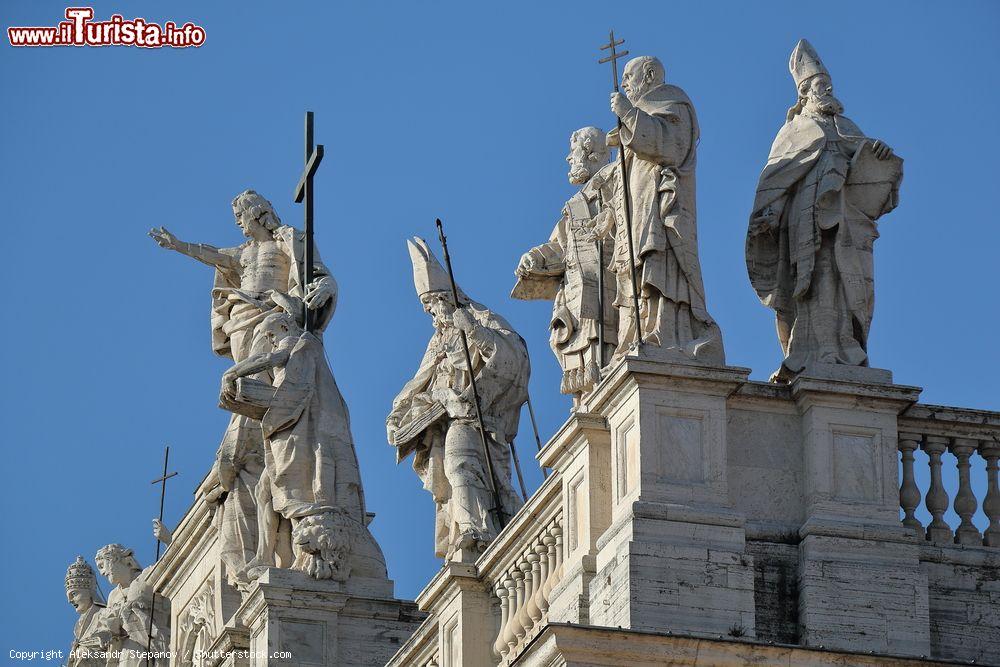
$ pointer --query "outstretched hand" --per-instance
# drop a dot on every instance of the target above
(527, 265)
(164, 238)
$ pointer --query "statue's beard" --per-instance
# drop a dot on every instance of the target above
(826, 104)
(441, 322)
(579, 174)
(632, 93)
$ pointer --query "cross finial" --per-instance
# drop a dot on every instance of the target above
(304, 194)
(613, 57)
(162, 479)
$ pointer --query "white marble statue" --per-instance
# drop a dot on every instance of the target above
(566, 270)
(434, 416)
(660, 139)
(812, 227)
(124, 626)
(82, 593)
(248, 278)
(311, 507)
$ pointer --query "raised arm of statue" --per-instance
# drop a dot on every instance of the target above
(482, 339)
(162, 533)
(202, 252)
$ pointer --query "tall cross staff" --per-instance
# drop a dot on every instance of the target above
(304, 190)
(491, 473)
(613, 59)
(162, 481)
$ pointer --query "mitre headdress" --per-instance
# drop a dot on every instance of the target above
(80, 576)
(428, 274)
(805, 63)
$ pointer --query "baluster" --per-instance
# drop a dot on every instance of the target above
(558, 532)
(549, 540)
(991, 503)
(965, 500)
(518, 619)
(937, 498)
(534, 612)
(500, 645)
(509, 634)
(542, 597)
(909, 493)
(523, 618)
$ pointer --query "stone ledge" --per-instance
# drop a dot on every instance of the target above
(444, 578)
(959, 554)
(570, 437)
(732, 376)
(858, 530)
(594, 646)
(806, 390)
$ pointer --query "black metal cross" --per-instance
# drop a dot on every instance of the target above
(304, 190)
(162, 481)
(613, 58)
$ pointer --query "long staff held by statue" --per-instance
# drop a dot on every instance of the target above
(162, 481)
(498, 506)
(626, 195)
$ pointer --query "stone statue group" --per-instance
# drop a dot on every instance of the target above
(622, 270)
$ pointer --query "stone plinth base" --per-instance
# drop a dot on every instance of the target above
(671, 568)
(292, 619)
(862, 593)
(674, 557)
(843, 373)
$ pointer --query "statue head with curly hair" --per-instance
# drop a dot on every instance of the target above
(118, 564)
(255, 215)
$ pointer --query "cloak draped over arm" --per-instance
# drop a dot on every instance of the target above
(795, 151)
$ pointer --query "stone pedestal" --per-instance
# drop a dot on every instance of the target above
(674, 555)
(292, 619)
(860, 582)
(461, 625)
(286, 612)
(580, 453)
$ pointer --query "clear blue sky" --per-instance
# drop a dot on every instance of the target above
(459, 110)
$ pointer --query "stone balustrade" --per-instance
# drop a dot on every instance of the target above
(935, 431)
(522, 567)
(524, 588)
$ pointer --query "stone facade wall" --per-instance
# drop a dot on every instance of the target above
(776, 590)
(964, 596)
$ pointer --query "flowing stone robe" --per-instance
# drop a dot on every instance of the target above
(660, 136)
(815, 268)
(240, 458)
(567, 273)
(86, 650)
(447, 450)
(311, 467)
(130, 607)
